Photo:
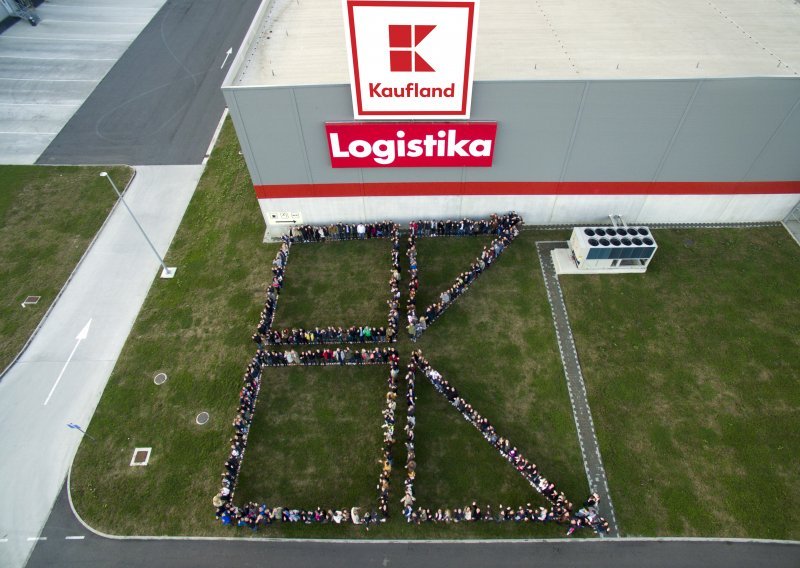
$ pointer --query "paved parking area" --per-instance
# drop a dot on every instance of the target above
(48, 71)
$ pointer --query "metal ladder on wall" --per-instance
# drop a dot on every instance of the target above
(23, 9)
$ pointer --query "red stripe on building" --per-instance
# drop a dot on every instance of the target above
(411, 189)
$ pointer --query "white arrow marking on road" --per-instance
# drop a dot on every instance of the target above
(227, 55)
(84, 333)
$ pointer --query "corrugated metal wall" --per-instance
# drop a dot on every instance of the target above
(694, 130)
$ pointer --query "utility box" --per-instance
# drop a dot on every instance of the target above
(611, 249)
(279, 223)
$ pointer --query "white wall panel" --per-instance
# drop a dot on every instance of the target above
(544, 209)
(594, 209)
(749, 208)
(683, 208)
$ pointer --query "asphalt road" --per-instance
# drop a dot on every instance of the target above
(93, 550)
(48, 71)
(160, 103)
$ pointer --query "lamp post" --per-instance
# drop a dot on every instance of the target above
(168, 272)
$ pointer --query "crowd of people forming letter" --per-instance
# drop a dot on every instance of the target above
(266, 335)
(255, 515)
(506, 229)
(561, 509)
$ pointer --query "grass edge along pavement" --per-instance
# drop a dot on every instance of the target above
(49, 217)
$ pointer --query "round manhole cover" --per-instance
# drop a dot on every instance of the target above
(202, 418)
(160, 378)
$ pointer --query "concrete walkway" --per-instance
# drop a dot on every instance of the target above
(108, 288)
(578, 398)
(48, 71)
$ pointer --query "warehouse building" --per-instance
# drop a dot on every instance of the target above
(678, 111)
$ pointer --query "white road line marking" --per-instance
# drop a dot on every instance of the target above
(84, 332)
(51, 58)
(5, 104)
(62, 38)
(31, 133)
(74, 537)
(34, 538)
(3, 540)
(50, 80)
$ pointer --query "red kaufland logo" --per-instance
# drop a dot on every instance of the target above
(411, 58)
(411, 144)
(403, 56)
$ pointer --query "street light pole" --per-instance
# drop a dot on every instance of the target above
(167, 272)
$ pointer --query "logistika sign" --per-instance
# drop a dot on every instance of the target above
(411, 58)
(411, 144)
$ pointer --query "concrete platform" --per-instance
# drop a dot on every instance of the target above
(565, 265)
(48, 71)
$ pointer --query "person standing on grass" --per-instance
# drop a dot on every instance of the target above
(361, 230)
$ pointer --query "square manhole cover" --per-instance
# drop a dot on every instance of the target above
(141, 456)
(31, 301)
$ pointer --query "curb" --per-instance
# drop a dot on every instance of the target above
(267, 540)
(69, 278)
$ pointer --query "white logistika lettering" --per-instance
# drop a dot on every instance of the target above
(384, 151)
(336, 151)
(485, 148)
(444, 144)
(359, 148)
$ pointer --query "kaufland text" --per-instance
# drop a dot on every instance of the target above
(411, 90)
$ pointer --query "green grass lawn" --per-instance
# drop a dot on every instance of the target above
(316, 438)
(337, 284)
(48, 216)
(440, 260)
(693, 373)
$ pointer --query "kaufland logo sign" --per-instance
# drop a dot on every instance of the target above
(411, 58)
(411, 144)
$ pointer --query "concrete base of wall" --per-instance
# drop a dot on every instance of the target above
(542, 209)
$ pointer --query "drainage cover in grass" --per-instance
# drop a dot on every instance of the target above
(31, 301)
(141, 456)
